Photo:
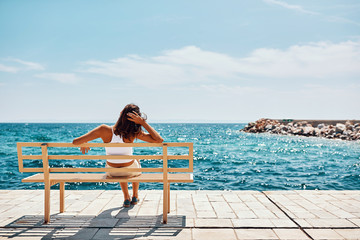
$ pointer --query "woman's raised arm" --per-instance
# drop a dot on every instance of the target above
(152, 136)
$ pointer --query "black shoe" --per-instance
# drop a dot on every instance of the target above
(134, 201)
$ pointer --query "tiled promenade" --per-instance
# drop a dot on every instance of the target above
(219, 215)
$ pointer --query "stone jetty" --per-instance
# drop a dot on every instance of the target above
(348, 130)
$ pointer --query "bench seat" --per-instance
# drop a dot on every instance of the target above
(101, 177)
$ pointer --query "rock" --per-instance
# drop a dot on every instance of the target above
(269, 127)
(340, 128)
(303, 123)
(251, 124)
(347, 131)
(317, 132)
(349, 127)
(348, 123)
(331, 132)
(284, 128)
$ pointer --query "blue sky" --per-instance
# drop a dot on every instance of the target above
(180, 61)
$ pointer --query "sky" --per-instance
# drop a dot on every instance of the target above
(180, 61)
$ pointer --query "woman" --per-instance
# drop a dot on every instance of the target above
(126, 130)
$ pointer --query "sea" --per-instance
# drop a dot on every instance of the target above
(224, 158)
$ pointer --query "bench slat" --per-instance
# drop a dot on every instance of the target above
(86, 177)
(97, 157)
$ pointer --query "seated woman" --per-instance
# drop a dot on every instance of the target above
(127, 128)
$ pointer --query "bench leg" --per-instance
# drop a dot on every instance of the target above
(62, 197)
(165, 203)
(168, 202)
(47, 203)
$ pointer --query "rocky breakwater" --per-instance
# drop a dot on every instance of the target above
(347, 131)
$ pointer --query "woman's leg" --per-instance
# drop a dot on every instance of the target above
(124, 188)
(135, 187)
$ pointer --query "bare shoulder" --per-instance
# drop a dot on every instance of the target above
(105, 129)
(105, 132)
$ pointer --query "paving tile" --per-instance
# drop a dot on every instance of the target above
(95, 207)
(349, 233)
(302, 222)
(343, 214)
(203, 206)
(115, 233)
(213, 234)
(200, 198)
(245, 214)
(223, 210)
(74, 233)
(239, 206)
(323, 234)
(215, 197)
(246, 197)
(102, 222)
(324, 214)
(264, 213)
(213, 223)
(189, 222)
(205, 214)
(356, 221)
(335, 222)
(296, 234)
(283, 223)
(164, 233)
(255, 234)
(304, 214)
(252, 223)
(231, 198)
(24, 233)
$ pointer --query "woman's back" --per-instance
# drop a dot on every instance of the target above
(118, 150)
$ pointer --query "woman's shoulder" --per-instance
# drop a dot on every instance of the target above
(105, 132)
(103, 129)
(104, 126)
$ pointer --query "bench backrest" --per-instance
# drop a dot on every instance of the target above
(45, 157)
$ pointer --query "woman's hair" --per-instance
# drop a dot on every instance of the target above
(126, 128)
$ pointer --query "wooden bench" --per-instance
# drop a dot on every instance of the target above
(60, 175)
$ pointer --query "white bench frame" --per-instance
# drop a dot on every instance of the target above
(51, 176)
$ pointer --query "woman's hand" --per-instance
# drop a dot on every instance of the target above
(84, 149)
(134, 117)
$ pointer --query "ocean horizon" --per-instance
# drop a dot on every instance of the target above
(224, 157)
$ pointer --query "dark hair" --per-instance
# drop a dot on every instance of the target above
(126, 128)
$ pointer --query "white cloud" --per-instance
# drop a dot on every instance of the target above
(68, 78)
(301, 9)
(315, 60)
(341, 20)
(312, 61)
(20, 66)
(28, 65)
(4, 68)
(297, 8)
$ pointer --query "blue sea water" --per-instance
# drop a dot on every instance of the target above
(224, 158)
